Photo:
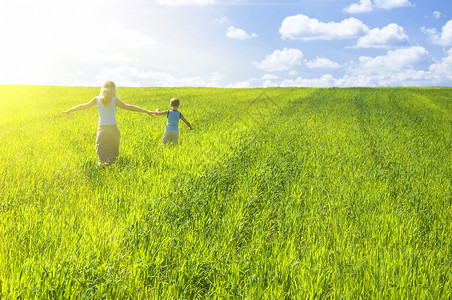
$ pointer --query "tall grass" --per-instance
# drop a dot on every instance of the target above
(277, 193)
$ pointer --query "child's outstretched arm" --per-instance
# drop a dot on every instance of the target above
(81, 106)
(186, 122)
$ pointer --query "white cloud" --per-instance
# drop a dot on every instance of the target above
(436, 14)
(444, 38)
(361, 7)
(243, 84)
(402, 67)
(281, 60)
(354, 80)
(237, 33)
(392, 34)
(396, 68)
(269, 77)
(322, 62)
(304, 28)
(367, 5)
(397, 60)
(269, 83)
(215, 78)
(432, 32)
(326, 80)
(293, 73)
(389, 4)
(442, 69)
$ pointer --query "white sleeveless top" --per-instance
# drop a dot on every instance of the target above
(106, 114)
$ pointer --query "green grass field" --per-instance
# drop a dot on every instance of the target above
(277, 193)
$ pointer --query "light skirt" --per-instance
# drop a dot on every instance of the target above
(107, 143)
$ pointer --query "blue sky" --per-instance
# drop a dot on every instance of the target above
(227, 43)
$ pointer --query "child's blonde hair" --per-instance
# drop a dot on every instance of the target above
(107, 92)
(175, 102)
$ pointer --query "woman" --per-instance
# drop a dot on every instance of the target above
(107, 141)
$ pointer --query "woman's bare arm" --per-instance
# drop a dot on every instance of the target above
(81, 106)
(158, 112)
(131, 107)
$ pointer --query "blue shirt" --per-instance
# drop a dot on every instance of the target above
(173, 120)
(107, 114)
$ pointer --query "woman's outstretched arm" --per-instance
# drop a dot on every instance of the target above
(131, 107)
(81, 106)
(158, 112)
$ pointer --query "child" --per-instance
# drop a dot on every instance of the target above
(172, 125)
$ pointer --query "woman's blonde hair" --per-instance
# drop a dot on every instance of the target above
(107, 92)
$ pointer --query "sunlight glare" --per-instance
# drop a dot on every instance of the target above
(38, 34)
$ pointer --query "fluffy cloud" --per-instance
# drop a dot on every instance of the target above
(281, 60)
(269, 83)
(367, 5)
(269, 77)
(301, 27)
(402, 67)
(361, 7)
(397, 60)
(389, 4)
(237, 33)
(304, 28)
(322, 62)
(243, 84)
(442, 69)
(215, 78)
(396, 68)
(392, 34)
(326, 80)
(444, 38)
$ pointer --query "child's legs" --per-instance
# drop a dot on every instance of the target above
(170, 136)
